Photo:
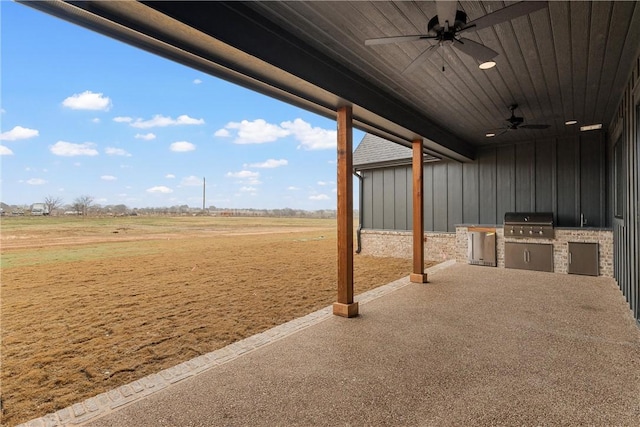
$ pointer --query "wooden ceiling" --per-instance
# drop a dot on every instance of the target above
(569, 60)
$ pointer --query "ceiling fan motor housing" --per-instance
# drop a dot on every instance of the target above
(436, 27)
(515, 120)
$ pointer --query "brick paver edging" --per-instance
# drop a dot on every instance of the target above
(99, 405)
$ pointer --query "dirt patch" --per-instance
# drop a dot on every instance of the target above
(82, 318)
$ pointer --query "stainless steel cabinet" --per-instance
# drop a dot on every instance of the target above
(528, 256)
(583, 258)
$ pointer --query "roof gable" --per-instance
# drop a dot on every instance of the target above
(374, 151)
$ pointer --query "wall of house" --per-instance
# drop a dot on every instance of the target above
(564, 175)
(623, 147)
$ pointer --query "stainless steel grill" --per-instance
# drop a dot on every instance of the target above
(538, 225)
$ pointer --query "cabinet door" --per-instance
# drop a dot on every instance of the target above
(583, 258)
(540, 257)
(528, 256)
(515, 255)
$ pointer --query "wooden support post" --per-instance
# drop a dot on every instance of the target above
(345, 306)
(418, 275)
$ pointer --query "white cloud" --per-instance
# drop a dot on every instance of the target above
(311, 138)
(243, 174)
(222, 133)
(112, 151)
(259, 131)
(36, 181)
(108, 178)
(2, 111)
(319, 197)
(162, 121)
(18, 132)
(159, 189)
(69, 149)
(95, 120)
(322, 183)
(170, 176)
(292, 188)
(147, 136)
(182, 146)
(248, 189)
(256, 132)
(122, 119)
(88, 100)
(197, 81)
(191, 181)
(268, 164)
(4, 151)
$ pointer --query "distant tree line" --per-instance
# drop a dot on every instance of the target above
(84, 206)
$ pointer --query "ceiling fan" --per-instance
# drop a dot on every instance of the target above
(449, 23)
(514, 123)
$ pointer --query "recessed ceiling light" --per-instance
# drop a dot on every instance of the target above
(490, 135)
(570, 122)
(487, 65)
(591, 127)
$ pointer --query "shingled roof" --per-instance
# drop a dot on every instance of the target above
(375, 151)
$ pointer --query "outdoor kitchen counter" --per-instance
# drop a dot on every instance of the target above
(585, 228)
(555, 228)
(603, 236)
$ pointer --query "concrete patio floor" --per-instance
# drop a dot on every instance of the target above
(475, 346)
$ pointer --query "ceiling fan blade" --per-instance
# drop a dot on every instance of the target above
(505, 14)
(397, 39)
(420, 59)
(534, 126)
(446, 12)
(475, 49)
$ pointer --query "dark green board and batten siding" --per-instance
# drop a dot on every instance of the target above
(565, 176)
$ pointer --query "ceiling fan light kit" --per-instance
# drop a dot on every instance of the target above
(487, 65)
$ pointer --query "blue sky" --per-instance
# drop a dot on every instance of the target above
(83, 114)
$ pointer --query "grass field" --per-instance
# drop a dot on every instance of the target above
(91, 304)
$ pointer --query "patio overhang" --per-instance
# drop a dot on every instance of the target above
(565, 61)
(205, 36)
